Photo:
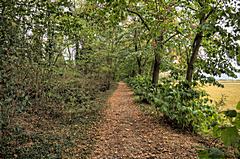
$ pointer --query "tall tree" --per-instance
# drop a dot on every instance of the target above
(217, 45)
(163, 27)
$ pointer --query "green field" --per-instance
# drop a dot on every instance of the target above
(231, 93)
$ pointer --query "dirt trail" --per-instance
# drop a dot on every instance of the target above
(126, 132)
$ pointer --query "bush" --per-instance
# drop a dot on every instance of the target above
(181, 103)
(228, 131)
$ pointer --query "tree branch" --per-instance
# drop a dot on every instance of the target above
(144, 23)
(170, 37)
(195, 10)
(200, 3)
(208, 15)
(211, 11)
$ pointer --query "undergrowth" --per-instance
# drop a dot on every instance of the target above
(54, 121)
(185, 106)
(180, 103)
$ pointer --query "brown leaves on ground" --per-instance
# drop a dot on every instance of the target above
(126, 132)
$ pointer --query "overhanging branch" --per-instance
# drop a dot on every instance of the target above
(143, 21)
(211, 11)
(170, 37)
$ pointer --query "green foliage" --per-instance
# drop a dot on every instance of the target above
(238, 106)
(230, 136)
(211, 153)
(230, 113)
(181, 104)
(110, 39)
(55, 117)
(189, 108)
(142, 87)
(228, 132)
(46, 102)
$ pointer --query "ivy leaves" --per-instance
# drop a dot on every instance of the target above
(230, 136)
(229, 133)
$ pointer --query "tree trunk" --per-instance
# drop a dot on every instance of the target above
(156, 68)
(157, 60)
(77, 51)
(139, 65)
(136, 49)
(195, 49)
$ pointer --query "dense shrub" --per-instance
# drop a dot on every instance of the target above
(181, 103)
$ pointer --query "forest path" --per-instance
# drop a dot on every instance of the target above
(126, 132)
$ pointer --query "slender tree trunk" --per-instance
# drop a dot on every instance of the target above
(195, 49)
(139, 65)
(136, 49)
(50, 49)
(156, 68)
(77, 51)
(157, 60)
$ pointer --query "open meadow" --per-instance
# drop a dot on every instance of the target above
(231, 93)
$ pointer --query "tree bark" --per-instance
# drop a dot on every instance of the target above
(136, 49)
(139, 65)
(195, 49)
(157, 60)
(197, 43)
(77, 51)
(156, 68)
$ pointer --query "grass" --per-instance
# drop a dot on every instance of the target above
(231, 93)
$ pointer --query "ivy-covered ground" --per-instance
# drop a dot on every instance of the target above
(60, 125)
(127, 132)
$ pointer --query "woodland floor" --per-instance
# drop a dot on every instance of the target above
(126, 132)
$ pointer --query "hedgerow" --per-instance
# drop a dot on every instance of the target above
(181, 103)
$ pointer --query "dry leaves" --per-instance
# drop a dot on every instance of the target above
(126, 132)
